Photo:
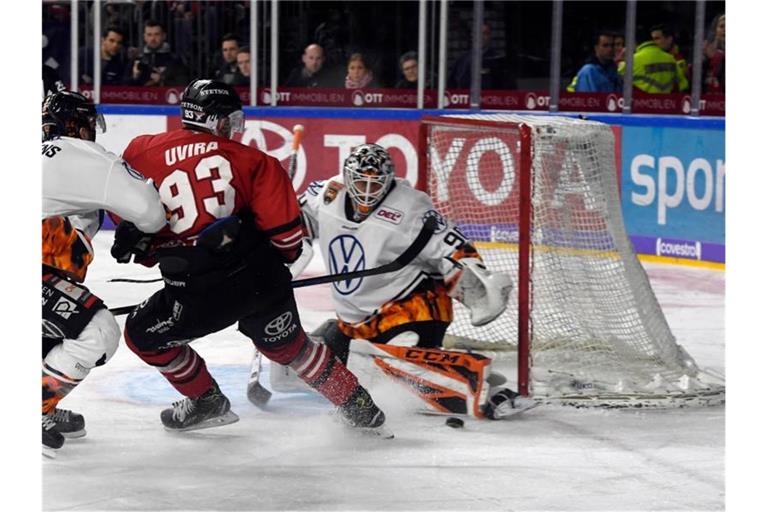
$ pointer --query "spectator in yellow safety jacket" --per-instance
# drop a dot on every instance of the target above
(654, 70)
(665, 39)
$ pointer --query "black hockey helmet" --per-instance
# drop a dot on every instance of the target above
(66, 112)
(212, 106)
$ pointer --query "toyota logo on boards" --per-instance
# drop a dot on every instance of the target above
(279, 324)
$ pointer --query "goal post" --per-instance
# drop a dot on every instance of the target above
(539, 197)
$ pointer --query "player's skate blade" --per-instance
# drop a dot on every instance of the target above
(210, 410)
(506, 404)
(70, 424)
(52, 439)
(218, 421)
(381, 432)
(360, 414)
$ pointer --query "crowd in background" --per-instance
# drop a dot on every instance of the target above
(153, 43)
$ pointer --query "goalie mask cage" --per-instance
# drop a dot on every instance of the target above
(538, 195)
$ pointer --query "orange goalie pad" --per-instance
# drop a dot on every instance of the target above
(419, 306)
(66, 249)
(469, 370)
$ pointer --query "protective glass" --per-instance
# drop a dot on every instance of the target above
(98, 124)
(236, 122)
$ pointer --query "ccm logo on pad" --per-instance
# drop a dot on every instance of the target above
(390, 215)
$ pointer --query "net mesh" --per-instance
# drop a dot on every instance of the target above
(597, 331)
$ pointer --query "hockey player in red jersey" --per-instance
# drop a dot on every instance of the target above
(80, 179)
(235, 225)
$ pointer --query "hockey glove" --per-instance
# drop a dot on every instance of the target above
(130, 241)
(220, 236)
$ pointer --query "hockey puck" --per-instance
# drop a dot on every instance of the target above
(454, 422)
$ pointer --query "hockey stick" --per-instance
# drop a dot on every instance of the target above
(413, 250)
(257, 394)
(298, 133)
(126, 280)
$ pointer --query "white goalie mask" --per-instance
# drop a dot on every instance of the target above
(368, 176)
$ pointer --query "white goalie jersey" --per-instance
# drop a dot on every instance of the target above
(348, 246)
(80, 177)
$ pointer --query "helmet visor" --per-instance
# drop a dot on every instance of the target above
(98, 124)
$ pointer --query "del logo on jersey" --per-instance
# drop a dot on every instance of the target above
(346, 254)
(389, 215)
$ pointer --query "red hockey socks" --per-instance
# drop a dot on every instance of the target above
(317, 366)
(181, 366)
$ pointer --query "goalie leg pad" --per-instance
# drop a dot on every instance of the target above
(448, 381)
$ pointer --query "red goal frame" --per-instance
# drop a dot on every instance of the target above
(526, 220)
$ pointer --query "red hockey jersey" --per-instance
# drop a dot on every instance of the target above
(203, 177)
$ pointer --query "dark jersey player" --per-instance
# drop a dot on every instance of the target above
(234, 226)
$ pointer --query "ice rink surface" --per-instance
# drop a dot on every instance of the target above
(294, 457)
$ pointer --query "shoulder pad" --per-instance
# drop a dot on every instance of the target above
(332, 190)
(402, 182)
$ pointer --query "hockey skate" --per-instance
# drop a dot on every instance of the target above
(505, 403)
(69, 424)
(52, 439)
(210, 410)
(362, 415)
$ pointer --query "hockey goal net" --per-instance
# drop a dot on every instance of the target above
(539, 197)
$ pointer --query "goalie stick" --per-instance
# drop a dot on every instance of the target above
(400, 262)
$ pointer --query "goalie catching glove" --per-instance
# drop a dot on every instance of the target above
(485, 293)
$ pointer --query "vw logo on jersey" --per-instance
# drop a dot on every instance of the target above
(279, 324)
(346, 254)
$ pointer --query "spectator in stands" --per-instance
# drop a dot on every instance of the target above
(491, 71)
(114, 64)
(714, 57)
(654, 70)
(359, 74)
(157, 65)
(227, 68)
(242, 76)
(665, 39)
(409, 66)
(618, 52)
(332, 35)
(311, 73)
(599, 74)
